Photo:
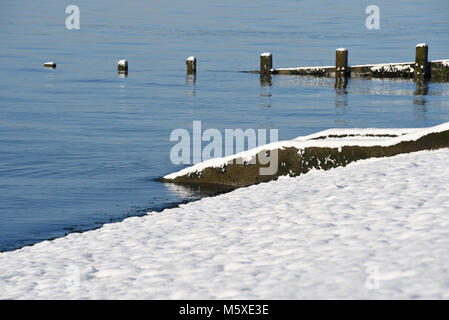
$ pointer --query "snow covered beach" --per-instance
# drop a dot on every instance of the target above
(374, 229)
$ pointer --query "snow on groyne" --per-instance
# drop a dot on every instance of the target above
(323, 150)
(420, 69)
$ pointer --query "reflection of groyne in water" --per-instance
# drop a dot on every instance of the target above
(421, 69)
(323, 151)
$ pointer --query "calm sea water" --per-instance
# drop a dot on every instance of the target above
(80, 146)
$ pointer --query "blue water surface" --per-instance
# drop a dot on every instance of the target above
(81, 146)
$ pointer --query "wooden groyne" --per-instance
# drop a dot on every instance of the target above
(420, 69)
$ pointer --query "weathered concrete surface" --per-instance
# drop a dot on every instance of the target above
(294, 162)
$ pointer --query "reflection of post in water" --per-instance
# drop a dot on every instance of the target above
(266, 80)
(341, 83)
(341, 94)
(265, 84)
(420, 107)
(191, 81)
(422, 89)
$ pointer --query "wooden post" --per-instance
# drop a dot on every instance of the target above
(50, 64)
(266, 63)
(191, 65)
(122, 66)
(421, 61)
(341, 63)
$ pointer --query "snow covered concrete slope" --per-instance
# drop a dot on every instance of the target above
(323, 150)
(399, 135)
(377, 228)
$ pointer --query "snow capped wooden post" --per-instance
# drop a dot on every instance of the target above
(122, 66)
(191, 65)
(266, 63)
(341, 63)
(421, 61)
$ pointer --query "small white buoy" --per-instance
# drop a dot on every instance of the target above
(50, 64)
(122, 65)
